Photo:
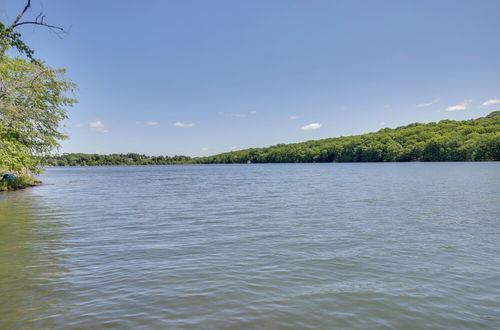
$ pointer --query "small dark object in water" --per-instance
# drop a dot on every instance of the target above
(9, 177)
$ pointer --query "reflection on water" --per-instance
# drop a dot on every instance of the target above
(31, 261)
(254, 246)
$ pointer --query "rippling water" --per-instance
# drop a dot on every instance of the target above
(408, 245)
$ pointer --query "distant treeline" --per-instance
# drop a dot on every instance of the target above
(448, 140)
(78, 159)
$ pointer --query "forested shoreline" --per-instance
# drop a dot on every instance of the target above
(447, 140)
(82, 159)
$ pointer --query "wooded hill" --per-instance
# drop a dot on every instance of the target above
(447, 140)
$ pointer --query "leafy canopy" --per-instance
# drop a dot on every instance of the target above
(448, 140)
(33, 103)
(12, 39)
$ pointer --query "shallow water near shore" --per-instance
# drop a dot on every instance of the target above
(380, 245)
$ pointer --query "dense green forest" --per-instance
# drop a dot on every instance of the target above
(79, 159)
(448, 140)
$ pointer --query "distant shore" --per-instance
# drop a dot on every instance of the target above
(180, 164)
(448, 140)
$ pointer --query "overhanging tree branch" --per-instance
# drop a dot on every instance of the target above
(21, 14)
(10, 37)
(39, 20)
(40, 23)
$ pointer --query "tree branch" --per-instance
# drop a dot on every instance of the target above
(39, 23)
(18, 18)
(39, 20)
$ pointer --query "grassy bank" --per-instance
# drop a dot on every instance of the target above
(20, 182)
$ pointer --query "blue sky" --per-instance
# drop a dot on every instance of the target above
(203, 77)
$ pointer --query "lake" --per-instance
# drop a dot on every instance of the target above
(376, 245)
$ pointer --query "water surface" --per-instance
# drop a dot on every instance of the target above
(402, 245)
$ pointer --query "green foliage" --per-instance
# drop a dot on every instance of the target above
(493, 114)
(12, 39)
(78, 159)
(33, 102)
(14, 156)
(468, 140)
(20, 182)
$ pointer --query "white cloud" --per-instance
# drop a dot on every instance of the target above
(204, 149)
(232, 148)
(146, 123)
(383, 123)
(98, 126)
(243, 115)
(459, 107)
(491, 102)
(428, 104)
(292, 117)
(311, 127)
(179, 124)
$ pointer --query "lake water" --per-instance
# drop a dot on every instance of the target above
(401, 245)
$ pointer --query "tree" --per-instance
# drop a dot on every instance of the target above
(33, 102)
(14, 155)
(10, 38)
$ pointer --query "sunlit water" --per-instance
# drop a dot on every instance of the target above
(409, 245)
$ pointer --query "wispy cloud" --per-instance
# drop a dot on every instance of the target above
(204, 149)
(491, 102)
(459, 107)
(146, 123)
(311, 127)
(232, 148)
(383, 123)
(239, 115)
(180, 124)
(428, 104)
(244, 115)
(98, 126)
(292, 117)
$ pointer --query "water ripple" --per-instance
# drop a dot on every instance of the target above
(302, 246)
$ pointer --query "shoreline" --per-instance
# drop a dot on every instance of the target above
(21, 187)
(266, 163)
